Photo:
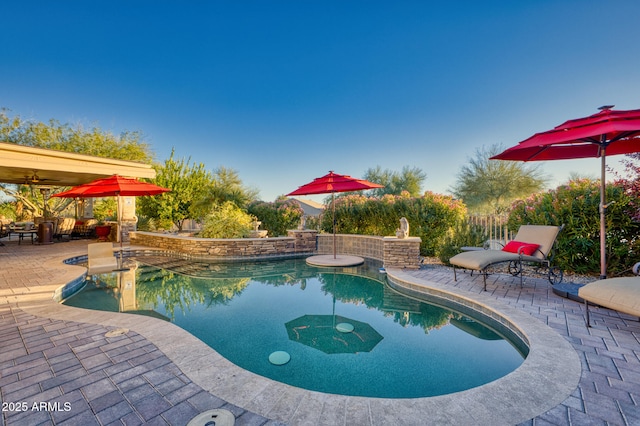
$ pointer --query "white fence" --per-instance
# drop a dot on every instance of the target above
(495, 227)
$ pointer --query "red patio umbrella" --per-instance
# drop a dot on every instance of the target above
(606, 132)
(330, 184)
(117, 186)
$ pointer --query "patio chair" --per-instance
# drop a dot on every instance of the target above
(532, 244)
(101, 258)
(5, 228)
(619, 294)
(64, 228)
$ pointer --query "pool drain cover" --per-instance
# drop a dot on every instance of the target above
(116, 332)
(217, 417)
(279, 358)
(344, 327)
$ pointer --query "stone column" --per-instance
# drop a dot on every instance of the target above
(401, 252)
(304, 240)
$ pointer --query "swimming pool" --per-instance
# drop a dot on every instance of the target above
(400, 347)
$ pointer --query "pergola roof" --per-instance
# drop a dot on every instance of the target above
(23, 165)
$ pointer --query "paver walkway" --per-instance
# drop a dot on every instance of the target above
(63, 372)
(609, 388)
(84, 377)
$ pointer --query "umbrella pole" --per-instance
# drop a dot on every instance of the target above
(603, 207)
(333, 312)
(120, 225)
(333, 204)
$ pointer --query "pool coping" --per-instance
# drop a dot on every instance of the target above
(547, 377)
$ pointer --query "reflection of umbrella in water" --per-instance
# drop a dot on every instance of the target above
(333, 334)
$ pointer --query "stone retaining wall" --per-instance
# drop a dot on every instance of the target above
(219, 248)
(393, 252)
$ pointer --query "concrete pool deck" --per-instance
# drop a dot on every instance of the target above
(157, 373)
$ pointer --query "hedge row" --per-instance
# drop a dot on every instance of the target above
(431, 217)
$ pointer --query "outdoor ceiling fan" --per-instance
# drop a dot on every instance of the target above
(34, 179)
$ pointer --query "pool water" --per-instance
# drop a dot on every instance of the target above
(345, 330)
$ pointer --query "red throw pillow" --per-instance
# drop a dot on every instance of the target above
(527, 248)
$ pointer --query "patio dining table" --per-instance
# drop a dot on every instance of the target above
(23, 229)
(21, 233)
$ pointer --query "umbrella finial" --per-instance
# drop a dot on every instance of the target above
(606, 107)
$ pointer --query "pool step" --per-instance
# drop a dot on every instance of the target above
(180, 266)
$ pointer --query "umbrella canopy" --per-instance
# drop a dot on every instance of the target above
(333, 334)
(333, 182)
(330, 184)
(607, 132)
(112, 186)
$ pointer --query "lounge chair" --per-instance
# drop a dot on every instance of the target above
(531, 245)
(619, 294)
(101, 258)
(64, 228)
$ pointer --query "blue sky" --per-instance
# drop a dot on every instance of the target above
(284, 91)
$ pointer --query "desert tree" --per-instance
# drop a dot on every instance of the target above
(188, 183)
(410, 179)
(490, 186)
(226, 185)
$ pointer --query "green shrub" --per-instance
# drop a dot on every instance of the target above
(227, 220)
(576, 205)
(431, 217)
(312, 222)
(147, 224)
(8, 210)
(277, 217)
(463, 234)
(105, 209)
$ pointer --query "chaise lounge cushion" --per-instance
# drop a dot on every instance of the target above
(619, 294)
(480, 259)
